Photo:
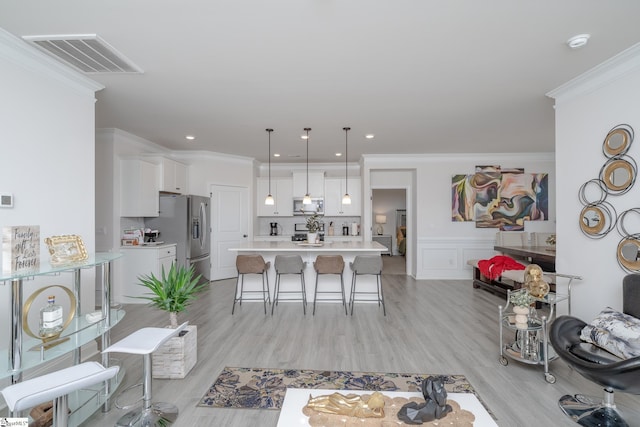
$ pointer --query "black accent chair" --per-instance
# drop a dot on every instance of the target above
(597, 365)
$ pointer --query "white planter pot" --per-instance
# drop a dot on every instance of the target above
(312, 237)
(177, 356)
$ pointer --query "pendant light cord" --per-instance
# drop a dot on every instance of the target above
(307, 130)
(269, 130)
(346, 154)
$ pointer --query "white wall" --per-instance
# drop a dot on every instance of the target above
(47, 149)
(442, 247)
(586, 109)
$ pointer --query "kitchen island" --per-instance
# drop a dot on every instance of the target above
(348, 249)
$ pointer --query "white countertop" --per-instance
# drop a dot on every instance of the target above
(344, 246)
(157, 245)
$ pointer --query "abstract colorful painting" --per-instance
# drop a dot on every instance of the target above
(500, 198)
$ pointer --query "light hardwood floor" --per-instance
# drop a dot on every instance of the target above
(431, 327)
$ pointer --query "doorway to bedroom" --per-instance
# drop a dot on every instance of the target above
(388, 208)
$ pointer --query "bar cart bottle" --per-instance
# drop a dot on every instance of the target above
(51, 318)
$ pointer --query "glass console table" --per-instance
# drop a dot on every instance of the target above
(26, 352)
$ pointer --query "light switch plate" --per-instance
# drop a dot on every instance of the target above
(6, 200)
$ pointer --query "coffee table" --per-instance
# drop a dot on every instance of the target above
(296, 398)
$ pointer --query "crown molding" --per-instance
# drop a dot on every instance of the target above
(601, 75)
(21, 53)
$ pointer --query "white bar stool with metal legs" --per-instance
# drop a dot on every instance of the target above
(57, 386)
(367, 264)
(145, 341)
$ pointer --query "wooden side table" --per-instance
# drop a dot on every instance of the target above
(384, 240)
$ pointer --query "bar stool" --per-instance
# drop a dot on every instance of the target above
(145, 341)
(367, 264)
(289, 264)
(57, 386)
(329, 264)
(251, 264)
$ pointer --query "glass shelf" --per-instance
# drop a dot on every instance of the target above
(46, 268)
(79, 333)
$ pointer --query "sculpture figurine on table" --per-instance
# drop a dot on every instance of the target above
(434, 407)
(351, 405)
(533, 281)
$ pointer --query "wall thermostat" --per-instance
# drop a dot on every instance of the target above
(6, 200)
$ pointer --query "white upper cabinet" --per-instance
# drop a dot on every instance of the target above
(334, 189)
(138, 188)
(282, 192)
(173, 176)
(316, 184)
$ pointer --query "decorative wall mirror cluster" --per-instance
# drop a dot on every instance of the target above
(598, 217)
(617, 176)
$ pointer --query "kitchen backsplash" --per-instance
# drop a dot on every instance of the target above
(286, 224)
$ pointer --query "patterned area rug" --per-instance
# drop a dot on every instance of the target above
(256, 388)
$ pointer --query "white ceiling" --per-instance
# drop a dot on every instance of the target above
(424, 76)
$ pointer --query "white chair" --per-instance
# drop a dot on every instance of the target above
(57, 386)
(540, 239)
(145, 341)
(512, 238)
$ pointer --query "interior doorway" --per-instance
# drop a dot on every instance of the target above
(388, 209)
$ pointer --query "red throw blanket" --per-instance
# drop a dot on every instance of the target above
(493, 267)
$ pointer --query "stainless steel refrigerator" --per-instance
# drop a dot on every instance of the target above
(184, 220)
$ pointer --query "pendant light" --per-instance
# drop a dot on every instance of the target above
(307, 197)
(346, 199)
(269, 200)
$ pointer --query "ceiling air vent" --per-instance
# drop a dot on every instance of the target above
(86, 52)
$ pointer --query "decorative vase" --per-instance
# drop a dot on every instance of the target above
(175, 358)
(312, 237)
(522, 316)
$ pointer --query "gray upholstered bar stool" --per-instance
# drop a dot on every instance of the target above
(57, 386)
(329, 264)
(367, 264)
(289, 264)
(251, 264)
(145, 341)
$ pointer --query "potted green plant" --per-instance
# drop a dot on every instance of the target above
(313, 226)
(173, 292)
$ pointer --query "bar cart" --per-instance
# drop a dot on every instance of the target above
(531, 342)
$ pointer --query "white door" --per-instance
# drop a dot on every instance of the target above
(229, 228)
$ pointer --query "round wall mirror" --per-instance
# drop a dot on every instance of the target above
(592, 220)
(617, 142)
(628, 250)
(618, 175)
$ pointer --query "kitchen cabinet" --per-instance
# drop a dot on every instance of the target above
(282, 192)
(334, 189)
(316, 184)
(138, 188)
(173, 176)
(141, 261)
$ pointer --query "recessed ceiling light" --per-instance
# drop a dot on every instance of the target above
(190, 137)
(276, 155)
(578, 41)
(338, 154)
(369, 136)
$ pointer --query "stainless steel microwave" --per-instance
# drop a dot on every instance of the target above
(316, 206)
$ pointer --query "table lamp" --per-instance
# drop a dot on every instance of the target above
(380, 219)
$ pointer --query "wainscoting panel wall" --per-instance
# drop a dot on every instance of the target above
(446, 258)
